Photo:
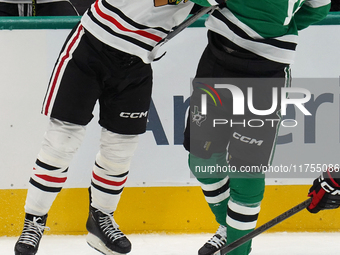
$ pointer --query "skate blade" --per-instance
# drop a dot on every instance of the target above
(98, 245)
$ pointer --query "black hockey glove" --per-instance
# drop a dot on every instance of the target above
(325, 191)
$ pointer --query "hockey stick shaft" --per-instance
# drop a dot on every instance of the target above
(182, 26)
(188, 22)
(264, 227)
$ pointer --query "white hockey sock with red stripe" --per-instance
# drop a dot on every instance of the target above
(61, 142)
(111, 169)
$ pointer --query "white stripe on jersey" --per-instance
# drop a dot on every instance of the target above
(118, 25)
(265, 50)
(231, 17)
(212, 2)
(252, 33)
(316, 3)
(288, 38)
(133, 26)
(59, 69)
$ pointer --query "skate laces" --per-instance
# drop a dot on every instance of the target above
(110, 227)
(32, 232)
(220, 237)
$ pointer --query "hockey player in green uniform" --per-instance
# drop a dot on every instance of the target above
(246, 39)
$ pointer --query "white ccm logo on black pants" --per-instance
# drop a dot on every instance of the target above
(133, 115)
(246, 139)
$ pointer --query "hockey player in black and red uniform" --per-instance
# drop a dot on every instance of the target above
(105, 58)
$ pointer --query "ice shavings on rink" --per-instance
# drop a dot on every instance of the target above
(162, 244)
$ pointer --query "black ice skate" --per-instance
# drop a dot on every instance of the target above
(29, 240)
(215, 243)
(104, 234)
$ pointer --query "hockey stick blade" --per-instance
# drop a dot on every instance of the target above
(176, 30)
(264, 227)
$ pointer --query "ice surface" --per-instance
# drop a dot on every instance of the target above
(162, 244)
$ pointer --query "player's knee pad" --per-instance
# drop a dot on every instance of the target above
(61, 141)
(116, 152)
